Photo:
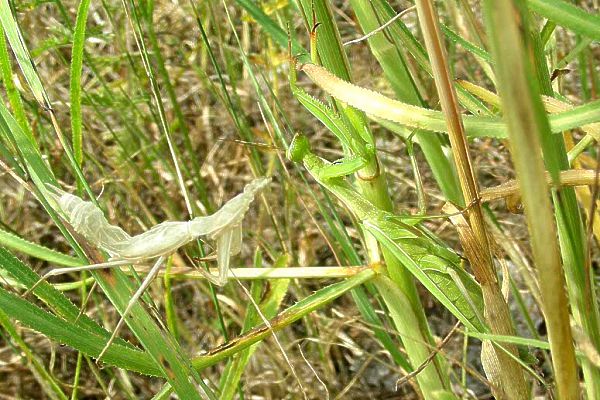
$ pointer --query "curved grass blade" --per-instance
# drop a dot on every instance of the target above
(568, 16)
(55, 299)
(17, 243)
(74, 335)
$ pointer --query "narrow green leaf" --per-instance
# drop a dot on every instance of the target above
(568, 15)
(285, 318)
(9, 24)
(75, 85)
(14, 242)
(14, 97)
(74, 335)
(56, 300)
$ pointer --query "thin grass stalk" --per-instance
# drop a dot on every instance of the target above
(132, 16)
(526, 118)
(504, 372)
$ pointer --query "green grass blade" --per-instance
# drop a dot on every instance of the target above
(568, 15)
(283, 319)
(14, 97)
(570, 227)
(75, 85)
(11, 28)
(17, 243)
(56, 300)
(402, 313)
(21, 53)
(182, 126)
(134, 20)
(175, 366)
(68, 312)
(74, 335)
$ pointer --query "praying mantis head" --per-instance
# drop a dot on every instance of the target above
(299, 148)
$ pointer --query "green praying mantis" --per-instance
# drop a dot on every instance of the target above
(437, 267)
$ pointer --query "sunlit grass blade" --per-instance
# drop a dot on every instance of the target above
(17, 243)
(14, 97)
(569, 16)
(283, 319)
(75, 85)
(22, 54)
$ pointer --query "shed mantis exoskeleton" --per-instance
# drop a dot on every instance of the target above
(224, 227)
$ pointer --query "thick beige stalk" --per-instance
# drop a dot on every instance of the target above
(527, 122)
(502, 370)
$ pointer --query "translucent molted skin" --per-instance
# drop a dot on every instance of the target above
(89, 221)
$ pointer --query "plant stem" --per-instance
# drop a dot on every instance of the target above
(502, 370)
(527, 121)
